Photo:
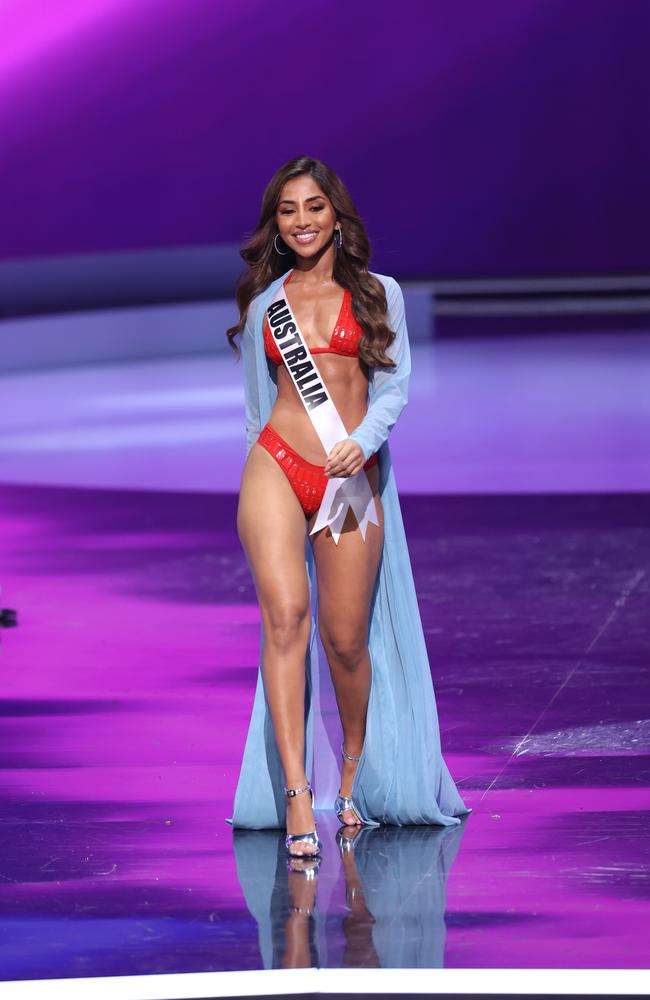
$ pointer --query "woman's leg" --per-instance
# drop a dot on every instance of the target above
(346, 574)
(271, 526)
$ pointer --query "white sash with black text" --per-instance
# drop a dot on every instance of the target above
(341, 492)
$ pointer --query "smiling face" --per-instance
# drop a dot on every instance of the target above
(305, 216)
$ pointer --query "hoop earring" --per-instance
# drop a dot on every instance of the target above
(283, 253)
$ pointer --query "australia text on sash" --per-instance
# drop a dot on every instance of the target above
(297, 359)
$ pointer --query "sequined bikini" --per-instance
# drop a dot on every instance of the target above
(345, 336)
(307, 480)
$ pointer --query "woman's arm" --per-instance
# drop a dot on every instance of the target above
(251, 391)
(390, 385)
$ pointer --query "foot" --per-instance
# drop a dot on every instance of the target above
(348, 771)
(346, 837)
(300, 819)
(306, 867)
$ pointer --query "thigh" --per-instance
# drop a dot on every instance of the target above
(346, 572)
(271, 527)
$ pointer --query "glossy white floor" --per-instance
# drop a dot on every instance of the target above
(375, 982)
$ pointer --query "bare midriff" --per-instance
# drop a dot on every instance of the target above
(346, 384)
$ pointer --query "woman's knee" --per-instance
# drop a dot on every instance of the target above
(286, 623)
(345, 645)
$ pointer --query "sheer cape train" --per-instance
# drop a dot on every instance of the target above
(402, 777)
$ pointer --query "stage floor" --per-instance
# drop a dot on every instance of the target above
(561, 413)
(126, 693)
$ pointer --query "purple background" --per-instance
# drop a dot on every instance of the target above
(500, 138)
(479, 138)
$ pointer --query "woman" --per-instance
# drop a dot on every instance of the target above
(321, 526)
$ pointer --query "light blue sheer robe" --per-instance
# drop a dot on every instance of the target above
(401, 778)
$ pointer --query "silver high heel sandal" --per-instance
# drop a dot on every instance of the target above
(305, 838)
(347, 845)
(309, 871)
(345, 803)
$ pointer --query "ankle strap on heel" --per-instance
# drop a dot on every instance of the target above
(290, 792)
(349, 756)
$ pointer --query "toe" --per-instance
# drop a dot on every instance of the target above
(303, 851)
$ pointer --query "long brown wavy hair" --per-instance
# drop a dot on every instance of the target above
(351, 260)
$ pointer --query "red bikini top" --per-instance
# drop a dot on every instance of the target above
(344, 340)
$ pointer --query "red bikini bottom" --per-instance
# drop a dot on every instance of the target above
(308, 481)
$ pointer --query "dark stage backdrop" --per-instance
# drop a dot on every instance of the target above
(478, 138)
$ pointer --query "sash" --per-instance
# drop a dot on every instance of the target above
(341, 492)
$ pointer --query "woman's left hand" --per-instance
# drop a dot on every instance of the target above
(345, 459)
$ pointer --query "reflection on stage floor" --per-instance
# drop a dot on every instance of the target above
(375, 899)
(127, 688)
